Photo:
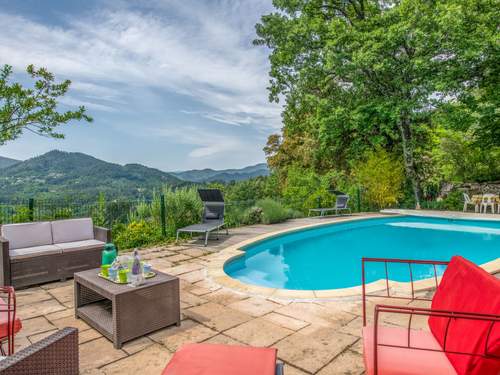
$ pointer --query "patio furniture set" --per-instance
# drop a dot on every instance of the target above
(34, 253)
(482, 203)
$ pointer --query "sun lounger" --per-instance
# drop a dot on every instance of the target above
(213, 214)
(341, 202)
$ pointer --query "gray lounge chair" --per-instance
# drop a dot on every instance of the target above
(213, 214)
(341, 204)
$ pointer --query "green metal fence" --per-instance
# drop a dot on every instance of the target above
(109, 213)
(104, 213)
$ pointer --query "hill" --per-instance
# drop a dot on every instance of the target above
(73, 174)
(225, 175)
(7, 162)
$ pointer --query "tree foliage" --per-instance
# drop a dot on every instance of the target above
(33, 109)
(359, 75)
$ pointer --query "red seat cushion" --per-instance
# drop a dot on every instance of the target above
(215, 359)
(466, 287)
(4, 321)
(404, 361)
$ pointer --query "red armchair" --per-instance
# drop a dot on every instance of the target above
(9, 323)
(464, 325)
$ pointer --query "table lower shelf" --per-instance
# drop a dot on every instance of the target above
(99, 315)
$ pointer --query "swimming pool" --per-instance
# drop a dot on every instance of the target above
(329, 256)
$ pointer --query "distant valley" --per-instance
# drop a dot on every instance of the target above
(7, 162)
(225, 175)
(73, 174)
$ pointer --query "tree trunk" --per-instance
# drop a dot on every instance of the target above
(409, 161)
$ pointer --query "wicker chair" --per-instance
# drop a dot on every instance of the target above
(56, 354)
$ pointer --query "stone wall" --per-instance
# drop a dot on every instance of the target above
(472, 188)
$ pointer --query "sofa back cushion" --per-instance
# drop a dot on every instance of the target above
(27, 234)
(72, 230)
(466, 287)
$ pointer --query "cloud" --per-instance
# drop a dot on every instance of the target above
(201, 50)
(72, 102)
(205, 142)
(223, 118)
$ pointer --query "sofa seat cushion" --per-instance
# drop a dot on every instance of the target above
(404, 361)
(216, 359)
(34, 251)
(25, 235)
(4, 321)
(466, 287)
(72, 230)
(80, 245)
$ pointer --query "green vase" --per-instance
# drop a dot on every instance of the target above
(108, 253)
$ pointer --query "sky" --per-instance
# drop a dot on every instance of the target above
(171, 84)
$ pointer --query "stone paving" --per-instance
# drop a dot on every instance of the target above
(320, 337)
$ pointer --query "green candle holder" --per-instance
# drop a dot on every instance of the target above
(122, 276)
(108, 253)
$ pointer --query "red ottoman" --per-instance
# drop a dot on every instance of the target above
(215, 359)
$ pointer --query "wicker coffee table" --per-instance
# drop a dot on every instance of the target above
(121, 312)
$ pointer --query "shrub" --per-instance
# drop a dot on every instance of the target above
(63, 213)
(236, 213)
(22, 215)
(304, 188)
(252, 215)
(136, 234)
(273, 212)
(99, 213)
(321, 197)
(141, 211)
(461, 159)
(183, 207)
(453, 201)
(382, 177)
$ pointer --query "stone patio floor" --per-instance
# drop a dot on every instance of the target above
(319, 337)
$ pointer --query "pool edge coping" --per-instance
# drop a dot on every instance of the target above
(215, 270)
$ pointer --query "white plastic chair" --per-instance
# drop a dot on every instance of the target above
(468, 201)
(488, 200)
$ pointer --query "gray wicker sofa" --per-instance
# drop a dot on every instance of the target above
(38, 252)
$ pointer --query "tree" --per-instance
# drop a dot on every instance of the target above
(33, 109)
(357, 75)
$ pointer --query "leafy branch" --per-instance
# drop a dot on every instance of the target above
(34, 109)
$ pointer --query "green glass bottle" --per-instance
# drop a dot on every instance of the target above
(108, 253)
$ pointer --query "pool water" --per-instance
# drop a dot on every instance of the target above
(329, 257)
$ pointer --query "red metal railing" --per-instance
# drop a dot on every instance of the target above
(387, 294)
(418, 311)
(8, 307)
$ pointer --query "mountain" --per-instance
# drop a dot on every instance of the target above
(74, 174)
(225, 175)
(7, 162)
